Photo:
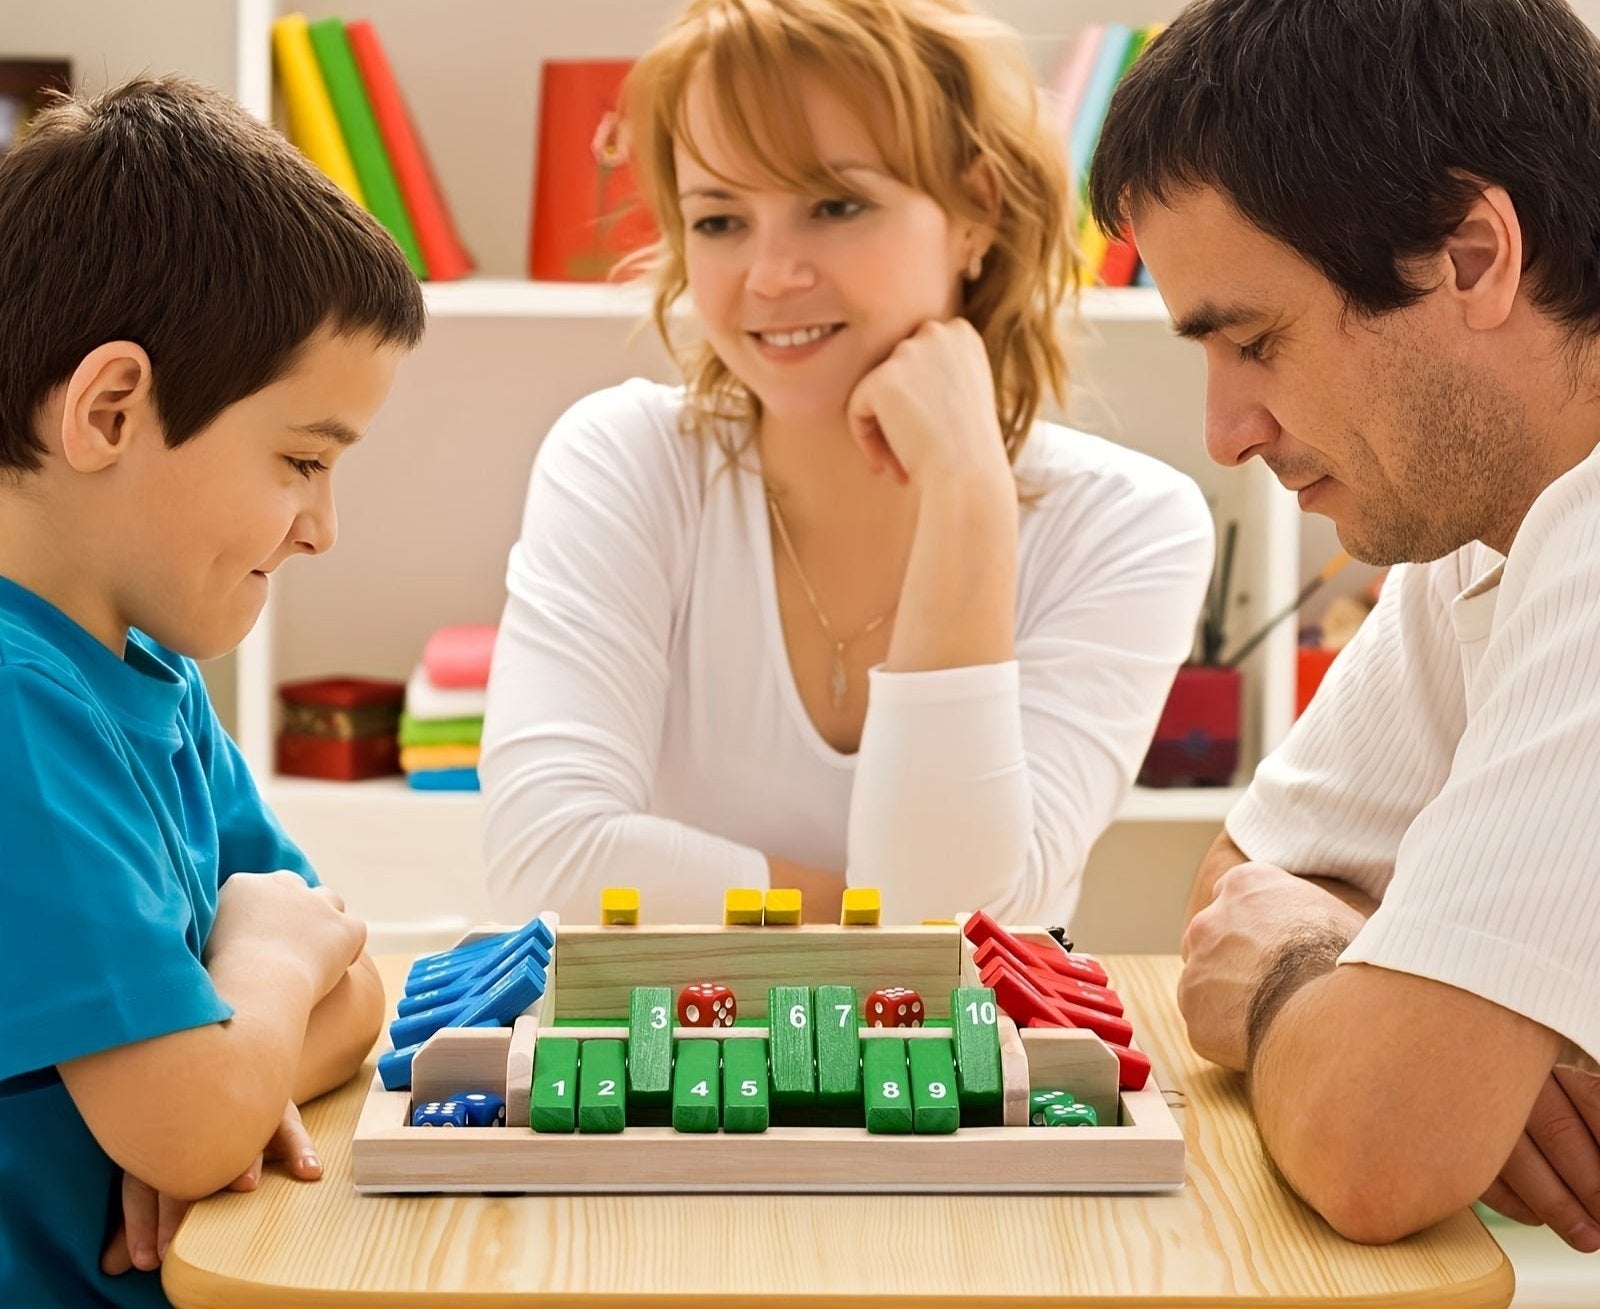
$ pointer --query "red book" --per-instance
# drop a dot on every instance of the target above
(587, 213)
(442, 250)
(1121, 260)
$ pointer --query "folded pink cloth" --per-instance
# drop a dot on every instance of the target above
(459, 656)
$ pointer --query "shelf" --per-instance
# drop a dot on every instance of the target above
(495, 297)
(389, 799)
(1187, 804)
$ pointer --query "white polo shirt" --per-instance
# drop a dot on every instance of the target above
(1450, 767)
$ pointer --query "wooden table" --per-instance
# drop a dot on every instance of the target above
(1233, 1236)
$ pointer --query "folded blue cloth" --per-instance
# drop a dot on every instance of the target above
(444, 779)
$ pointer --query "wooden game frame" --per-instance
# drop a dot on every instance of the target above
(1142, 1151)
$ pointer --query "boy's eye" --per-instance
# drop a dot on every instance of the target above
(840, 208)
(306, 467)
(1254, 351)
(714, 225)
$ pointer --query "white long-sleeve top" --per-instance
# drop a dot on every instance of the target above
(644, 729)
(1449, 766)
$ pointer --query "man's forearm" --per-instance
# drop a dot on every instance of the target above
(340, 1031)
(1224, 854)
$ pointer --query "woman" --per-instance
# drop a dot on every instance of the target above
(840, 606)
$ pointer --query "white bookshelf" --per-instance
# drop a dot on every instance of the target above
(430, 504)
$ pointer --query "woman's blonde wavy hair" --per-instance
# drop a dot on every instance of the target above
(940, 87)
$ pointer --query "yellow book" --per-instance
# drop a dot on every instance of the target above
(312, 125)
(1092, 246)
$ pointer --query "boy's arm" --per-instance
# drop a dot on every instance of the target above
(187, 1112)
(340, 1031)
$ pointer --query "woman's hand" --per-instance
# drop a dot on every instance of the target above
(927, 412)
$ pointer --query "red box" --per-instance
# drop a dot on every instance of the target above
(337, 761)
(1197, 738)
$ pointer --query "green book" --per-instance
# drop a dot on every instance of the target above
(354, 111)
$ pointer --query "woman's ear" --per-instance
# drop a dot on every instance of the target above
(1483, 259)
(982, 186)
(108, 400)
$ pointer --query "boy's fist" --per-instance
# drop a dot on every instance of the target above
(277, 913)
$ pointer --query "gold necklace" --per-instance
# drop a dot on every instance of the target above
(838, 681)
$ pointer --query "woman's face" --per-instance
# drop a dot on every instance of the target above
(803, 295)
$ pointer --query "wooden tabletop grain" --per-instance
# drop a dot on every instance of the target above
(1232, 1236)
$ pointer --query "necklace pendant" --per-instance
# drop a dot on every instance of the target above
(837, 683)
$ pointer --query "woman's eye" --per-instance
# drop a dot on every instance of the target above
(840, 208)
(713, 225)
(307, 467)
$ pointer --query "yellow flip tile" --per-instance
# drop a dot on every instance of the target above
(619, 906)
(741, 905)
(862, 906)
(782, 908)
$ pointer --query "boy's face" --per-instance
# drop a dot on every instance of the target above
(1388, 425)
(209, 521)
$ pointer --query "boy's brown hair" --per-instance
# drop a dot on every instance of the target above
(162, 213)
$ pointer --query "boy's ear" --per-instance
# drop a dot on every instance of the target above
(1484, 259)
(108, 399)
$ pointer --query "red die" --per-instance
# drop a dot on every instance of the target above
(706, 1004)
(893, 1006)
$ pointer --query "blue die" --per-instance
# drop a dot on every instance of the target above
(440, 1113)
(484, 1109)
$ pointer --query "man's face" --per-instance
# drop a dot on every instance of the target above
(1380, 423)
(207, 522)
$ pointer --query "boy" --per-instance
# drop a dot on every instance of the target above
(194, 326)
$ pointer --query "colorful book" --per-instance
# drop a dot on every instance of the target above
(1108, 65)
(441, 246)
(1115, 260)
(354, 112)
(1072, 77)
(312, 124)
(587, 213)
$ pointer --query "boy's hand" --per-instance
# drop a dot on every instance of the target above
(277, 913)
(149, 1219)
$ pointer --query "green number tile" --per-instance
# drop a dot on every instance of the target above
(838, 1047)
(935, 1108)
(744, 1085)
(696, 1086)
(602, 1087)
(794, 1059)
(554, 1104)
(649, 1054)
(888, 1092)
(977, 1054)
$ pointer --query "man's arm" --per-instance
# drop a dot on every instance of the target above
(1390, 1101)
(1224, 855)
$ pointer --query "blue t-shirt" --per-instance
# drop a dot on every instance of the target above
(123, 806)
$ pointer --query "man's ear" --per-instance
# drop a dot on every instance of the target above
(1484, 259)
(108, 400)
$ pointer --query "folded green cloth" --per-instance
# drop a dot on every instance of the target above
(440, 731)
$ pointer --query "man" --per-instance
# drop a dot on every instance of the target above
(1381, 221)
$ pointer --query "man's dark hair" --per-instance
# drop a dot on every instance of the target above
(162, 213)
(1359, 132)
